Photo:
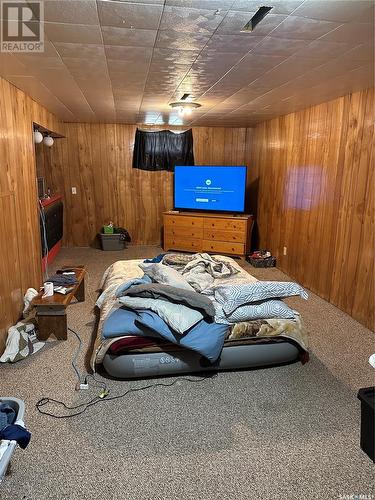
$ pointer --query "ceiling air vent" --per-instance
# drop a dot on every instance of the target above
(256, 19)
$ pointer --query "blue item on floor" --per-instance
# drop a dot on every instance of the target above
(16, 433)
(7, 415)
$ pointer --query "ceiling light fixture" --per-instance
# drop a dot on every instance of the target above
(185, 107)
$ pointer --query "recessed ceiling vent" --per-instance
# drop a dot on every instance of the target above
(256, 19)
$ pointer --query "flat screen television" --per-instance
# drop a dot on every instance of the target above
(210, 188)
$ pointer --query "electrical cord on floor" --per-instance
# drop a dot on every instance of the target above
(74, 360)
(84, 406)
(103, 395)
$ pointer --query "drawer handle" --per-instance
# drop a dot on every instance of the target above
(232, 249)
(212, 247)
(213, 225)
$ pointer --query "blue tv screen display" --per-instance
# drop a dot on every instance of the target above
(215, 188)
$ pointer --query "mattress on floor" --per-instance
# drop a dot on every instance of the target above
(149, 358)
(136, 357)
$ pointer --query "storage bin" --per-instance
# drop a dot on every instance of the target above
(367, 398)
(266, 262)
(112, 242)
(19, 407)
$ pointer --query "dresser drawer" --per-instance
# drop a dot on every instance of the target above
(183, 232)
(223, 247)
(182, 221)
(221, 235)
(225, 224)
(182, 244)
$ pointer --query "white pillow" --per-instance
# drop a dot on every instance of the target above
(265, 309)
(233, 296)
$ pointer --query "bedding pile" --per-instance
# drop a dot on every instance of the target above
(198, 302)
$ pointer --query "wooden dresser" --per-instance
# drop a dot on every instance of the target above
(211, 233)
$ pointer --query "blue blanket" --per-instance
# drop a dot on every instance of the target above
(205, 338)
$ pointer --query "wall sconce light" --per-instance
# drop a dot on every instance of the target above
(38, 137)
(48, 141)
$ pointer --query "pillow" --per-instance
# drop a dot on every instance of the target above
(172, 294)
(165, 275)
(233, 296)
(265, 309)
(180, 318)
(122, 322)
(205, 338)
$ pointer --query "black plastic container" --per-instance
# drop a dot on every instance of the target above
(266, 262)
(367, 398)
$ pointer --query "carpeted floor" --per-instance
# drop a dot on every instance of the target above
(288, 433)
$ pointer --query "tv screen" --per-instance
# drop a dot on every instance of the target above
(213, 188)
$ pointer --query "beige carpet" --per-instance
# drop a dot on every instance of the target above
(290, 432)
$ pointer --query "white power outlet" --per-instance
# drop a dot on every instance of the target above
(284, 251)
(74, 190)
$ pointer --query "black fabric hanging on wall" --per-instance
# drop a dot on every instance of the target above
(162, 150)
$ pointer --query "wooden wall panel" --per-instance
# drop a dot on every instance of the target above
(315, 172)
(97, 160)
(20, 257)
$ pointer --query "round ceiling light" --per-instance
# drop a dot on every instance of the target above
(185, 107)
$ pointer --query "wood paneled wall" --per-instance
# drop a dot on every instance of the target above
(97, 160)
(20, 252)
(315, 172)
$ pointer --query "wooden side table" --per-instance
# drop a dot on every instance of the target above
(51, 311)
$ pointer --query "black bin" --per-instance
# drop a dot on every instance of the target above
(367, 398)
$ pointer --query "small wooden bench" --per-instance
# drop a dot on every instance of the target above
(51, 311)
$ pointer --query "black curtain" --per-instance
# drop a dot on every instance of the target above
(162, 150)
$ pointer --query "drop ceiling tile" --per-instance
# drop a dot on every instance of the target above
(127, 36)
(303, 28)
(38, 64)
(161, 56)
(279, 6)
(102, 83)
(126, 15)
(172, 39)
(352, 32)
(235, 21)
(73, 33)
(80, 50)
(119, 80)
(130, 55)
(40, 93)
(279, 46)
(190, 20)
(319, 49)
(337, 10)
(71, 11)
(363, 52)
(240, 43)
(200, 4)
(10, 65)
